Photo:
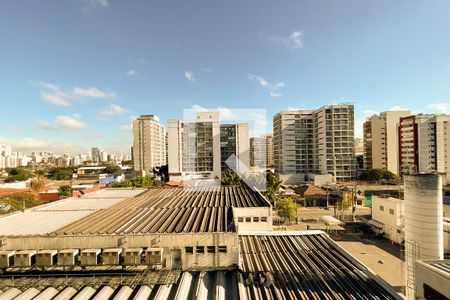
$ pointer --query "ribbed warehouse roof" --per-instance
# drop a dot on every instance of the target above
(190, 285)
(50, 217)
(170, 210)
(303, 267)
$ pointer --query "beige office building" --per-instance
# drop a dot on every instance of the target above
(381, 141)
(261, 151)
(200, 148)
(149, 149)
(317, 141)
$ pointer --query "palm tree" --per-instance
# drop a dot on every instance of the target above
(37, 185)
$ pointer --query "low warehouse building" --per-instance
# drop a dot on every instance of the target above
(180, 243)
(432, 279)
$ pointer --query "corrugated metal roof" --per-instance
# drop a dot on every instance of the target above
(190, 285)
(50, 217)
(302, 267)
(170, 210)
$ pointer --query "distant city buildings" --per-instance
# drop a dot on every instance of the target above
(149, 143)
(12, 159)
(424, 144)
(201, 148)
(317, 141)
(261, 151)
(381, 140)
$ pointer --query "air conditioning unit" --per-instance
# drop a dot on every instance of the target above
(154, 256)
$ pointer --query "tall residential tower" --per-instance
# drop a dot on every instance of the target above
(381, 140)
(200, 148)
(317, 141)
(149, 148)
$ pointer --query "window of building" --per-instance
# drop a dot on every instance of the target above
(200, 249)
(211, 249)
(391, 211)
(222, 249)
(248, 219)
(240, 219)
(189, 250)
(381, 208)
(263, 219)
(255, 219)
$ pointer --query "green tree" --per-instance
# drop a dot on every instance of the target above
(38, 184)
(65, 191)
(61, 173)
(112, 169)
(273, 185)
(229, 177)
(377, 175)
(286, 208)
(139, 181)
(17, 201)
(18, 174)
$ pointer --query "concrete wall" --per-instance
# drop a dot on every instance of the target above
(168, 242)
(249, 218)
(391, 216)
(292, 179)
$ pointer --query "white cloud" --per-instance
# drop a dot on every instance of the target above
(293, 42)
(57, 98)
(396, 107)
(48, 85)
(189, 76)
(52, 93)
(273, 94)
(198, 108)
(272, 87)
(91, 4)
(92, 92)
(258, 79)
(205, 69)
(131, 72)
(113, 110)
(68, 122)
(225, 112)
(442, 108)
(44, 125)
(126, 127)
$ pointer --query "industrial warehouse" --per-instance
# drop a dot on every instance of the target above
(173, 243)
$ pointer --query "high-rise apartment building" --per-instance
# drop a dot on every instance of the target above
(200, 148)
(261, 151)
(424, 144)
(235, 140)
(381, 140)
(317, 141)
(149, 148)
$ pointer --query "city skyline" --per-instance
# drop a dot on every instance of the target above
(82, 84)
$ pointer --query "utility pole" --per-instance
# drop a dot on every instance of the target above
(355, 197)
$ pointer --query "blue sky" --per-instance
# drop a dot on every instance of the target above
(74, 73)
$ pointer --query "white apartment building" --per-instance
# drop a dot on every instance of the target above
(381, 141)
(261, 151)
(149, 148)
(200, 148)
(425, 145)
(317, 141)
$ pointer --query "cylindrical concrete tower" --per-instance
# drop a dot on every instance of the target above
(423, 223)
